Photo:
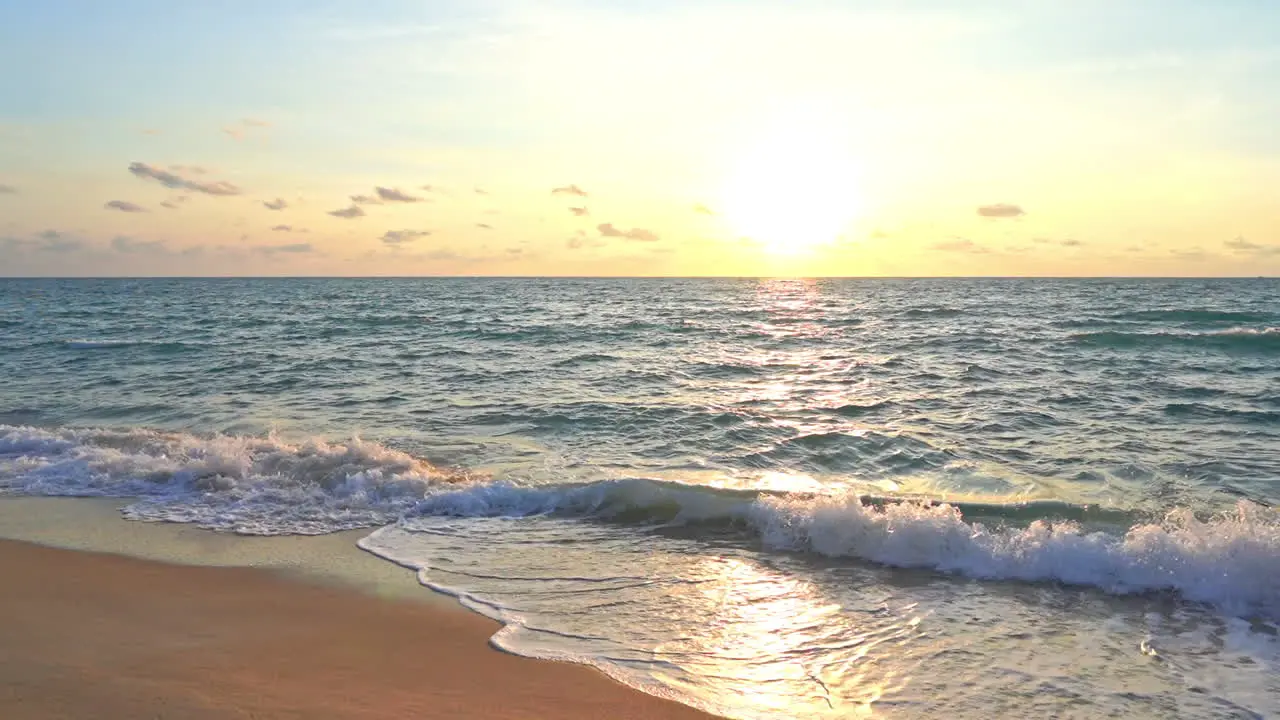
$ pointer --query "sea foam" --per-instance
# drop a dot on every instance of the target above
(1232, 561)
(270, 486)
(248, 485)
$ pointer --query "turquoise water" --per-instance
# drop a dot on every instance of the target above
(770, 498)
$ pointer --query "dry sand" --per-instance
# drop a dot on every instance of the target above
(91, 635)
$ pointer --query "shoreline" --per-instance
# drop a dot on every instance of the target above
(204, 625)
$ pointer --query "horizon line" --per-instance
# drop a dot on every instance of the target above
(639, 277)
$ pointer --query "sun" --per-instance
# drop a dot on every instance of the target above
(792, 184)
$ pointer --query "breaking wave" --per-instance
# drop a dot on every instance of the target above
(270, 486)
(247, 485)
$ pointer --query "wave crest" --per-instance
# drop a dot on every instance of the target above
(1232, 561)
(1239, 339)
(263, 486)
(268, 486)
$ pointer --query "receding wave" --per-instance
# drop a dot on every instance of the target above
(270, 486)
(1233, 339)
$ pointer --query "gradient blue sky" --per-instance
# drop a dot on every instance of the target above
(845, 138)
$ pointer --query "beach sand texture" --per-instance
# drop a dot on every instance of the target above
(90, 635)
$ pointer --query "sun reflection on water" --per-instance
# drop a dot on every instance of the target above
(772, 645)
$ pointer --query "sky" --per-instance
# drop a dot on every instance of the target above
(490, 137)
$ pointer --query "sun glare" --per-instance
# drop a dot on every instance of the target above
(793, 186)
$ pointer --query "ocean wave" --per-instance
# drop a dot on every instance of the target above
(1235, 339)
(1232, 561)
(858, 410)
(248, 485)
(938, 312)
(854, 451)
(267, 486)
(1192, 316)
(1260, 417)
(122, 344)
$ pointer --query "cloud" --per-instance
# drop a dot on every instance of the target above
(177, 182)
(124, 206)
(293, 248)
(1001, 210)
(580, 239)
(484, 226)
(580, 211)
(1239, 244)
(51, 241)
(189, 169)
(128, 245)
(400, 237)
(703, 209)
(8, 189)
(354, 211)
(394, 195)
(569, 190)
(481, 191)
(277, 204)
(1194, 253)
(879, 234)
(365, 200)
(963, 245)
(282, 228)
(638, 234)
(170, 205)
(64, 245)
(446, 255)
(1069, 242)
(239, 130)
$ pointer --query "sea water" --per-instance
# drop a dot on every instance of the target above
(766, 498)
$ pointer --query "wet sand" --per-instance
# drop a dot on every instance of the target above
(94, 635)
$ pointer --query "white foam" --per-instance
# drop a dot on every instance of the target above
(242, 484)
(97, 344)
(269, 486)
(1232, 561)
(1246, 332)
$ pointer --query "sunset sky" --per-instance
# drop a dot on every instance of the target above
(406, 137)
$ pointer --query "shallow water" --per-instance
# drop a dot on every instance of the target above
(696, 484)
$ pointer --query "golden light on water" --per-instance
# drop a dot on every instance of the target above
(755, 651)
(792, 185)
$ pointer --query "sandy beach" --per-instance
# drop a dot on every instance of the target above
(92, 635)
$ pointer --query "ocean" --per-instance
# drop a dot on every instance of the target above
(766, 498)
